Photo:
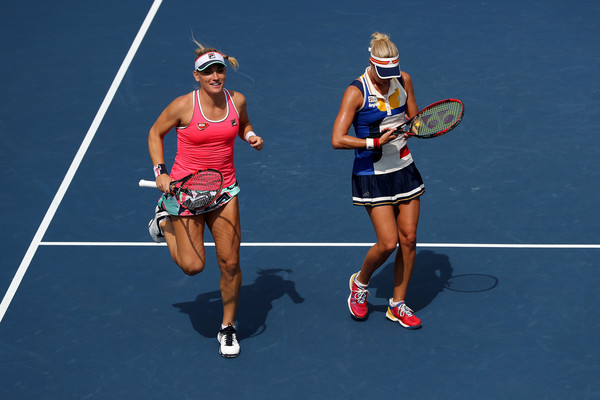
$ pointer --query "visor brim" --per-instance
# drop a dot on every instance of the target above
(388, 73)
(207, 64)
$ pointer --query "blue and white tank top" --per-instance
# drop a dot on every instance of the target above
(377, 113)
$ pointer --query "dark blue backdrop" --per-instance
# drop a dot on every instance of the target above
(108, 322)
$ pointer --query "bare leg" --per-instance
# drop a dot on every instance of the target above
(383, 219)
(407, 221)
(185, 238)
(224, 224)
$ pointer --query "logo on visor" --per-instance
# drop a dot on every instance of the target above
(202, 125)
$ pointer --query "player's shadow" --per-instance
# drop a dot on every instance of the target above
(255, 303)
(431, 274)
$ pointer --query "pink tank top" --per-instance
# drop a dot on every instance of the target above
(207, 144)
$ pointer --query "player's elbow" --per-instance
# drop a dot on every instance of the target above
(337, 143)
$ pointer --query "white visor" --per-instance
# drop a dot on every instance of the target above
(386, 68)
(208, 59)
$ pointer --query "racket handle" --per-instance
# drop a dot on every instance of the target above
(148, 184)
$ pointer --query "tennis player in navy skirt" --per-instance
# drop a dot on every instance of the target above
(385, 180)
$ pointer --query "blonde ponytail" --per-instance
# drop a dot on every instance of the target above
(382, 46)
(200, 49)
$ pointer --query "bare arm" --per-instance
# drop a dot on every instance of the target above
(245, 126)
(179, 110)
(351, 102)
(411, 103)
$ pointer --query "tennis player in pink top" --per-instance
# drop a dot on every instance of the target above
(207, 122)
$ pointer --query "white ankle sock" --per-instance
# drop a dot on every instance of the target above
(395, 303)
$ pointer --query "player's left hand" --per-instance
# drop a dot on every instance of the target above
(388, 134)
(256, 142)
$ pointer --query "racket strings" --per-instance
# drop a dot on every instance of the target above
(437, 119)
(203, 182)
(199, 190)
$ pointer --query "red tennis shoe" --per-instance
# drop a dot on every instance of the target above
(402, 314)
(357, 301)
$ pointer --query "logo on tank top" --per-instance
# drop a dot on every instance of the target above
(233, 122)
(202, 125)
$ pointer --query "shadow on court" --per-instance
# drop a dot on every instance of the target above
(255, 303)
(432, 274)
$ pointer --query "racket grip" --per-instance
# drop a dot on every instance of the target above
(148, 184)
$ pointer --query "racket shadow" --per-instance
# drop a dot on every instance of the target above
(430, 276)
(256, 301)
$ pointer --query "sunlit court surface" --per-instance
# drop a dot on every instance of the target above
(507, 269)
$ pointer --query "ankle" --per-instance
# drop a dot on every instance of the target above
(359, 283)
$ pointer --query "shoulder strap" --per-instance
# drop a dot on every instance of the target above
(401, 80)
(358, 84)
(230, 101)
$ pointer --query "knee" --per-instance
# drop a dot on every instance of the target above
(229, 268)
(409, 240)
(191, 266)
(388, 246)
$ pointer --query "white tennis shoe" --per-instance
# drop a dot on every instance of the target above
(156, 232)
(230, 348)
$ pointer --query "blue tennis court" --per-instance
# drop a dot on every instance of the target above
(507, 263)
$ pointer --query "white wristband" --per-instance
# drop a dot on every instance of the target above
(370, 144)
(249, 135)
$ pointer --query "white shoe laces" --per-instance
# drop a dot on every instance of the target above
(404, 309)
(360, 294)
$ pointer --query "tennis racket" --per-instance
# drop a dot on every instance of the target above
(195, 191)
(435, 120)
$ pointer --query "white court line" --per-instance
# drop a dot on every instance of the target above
(33, 246)
(316, 244)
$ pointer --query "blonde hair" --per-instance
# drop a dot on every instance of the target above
(200, 49)
(382, 46)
